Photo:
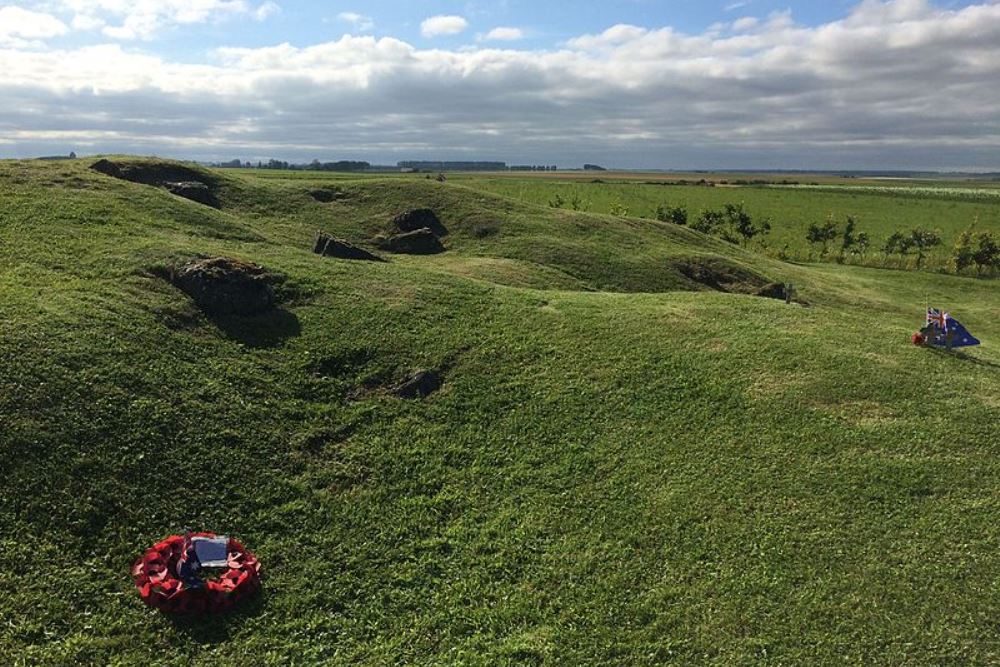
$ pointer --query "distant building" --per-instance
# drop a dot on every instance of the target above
(593, 167)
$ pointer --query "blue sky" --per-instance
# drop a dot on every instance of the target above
(545, 23)
(878, 84)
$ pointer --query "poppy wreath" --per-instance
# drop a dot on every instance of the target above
(156, 577)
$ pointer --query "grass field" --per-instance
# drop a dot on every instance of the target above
(879, 209)
(623, 466)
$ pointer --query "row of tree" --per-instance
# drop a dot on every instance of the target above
(976, 248)
(732, 223)
(315, 165)
(828, 236)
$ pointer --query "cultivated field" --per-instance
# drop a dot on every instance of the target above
(880, 210)
(632, 458)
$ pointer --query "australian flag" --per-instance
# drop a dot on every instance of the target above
(943, 330)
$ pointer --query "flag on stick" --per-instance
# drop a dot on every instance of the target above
(943, 330)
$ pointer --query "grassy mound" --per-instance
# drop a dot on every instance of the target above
(617, 465)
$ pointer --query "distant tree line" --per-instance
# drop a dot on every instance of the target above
(315, 165)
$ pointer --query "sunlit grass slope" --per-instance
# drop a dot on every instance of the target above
(618, 470)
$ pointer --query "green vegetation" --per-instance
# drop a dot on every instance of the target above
(878, 212)
(623, 466)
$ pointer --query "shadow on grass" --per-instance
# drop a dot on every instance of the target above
(968, 358)
(217, 628)
(261, 331)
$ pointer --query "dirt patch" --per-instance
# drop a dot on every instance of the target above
(721, 275)
(193, 184)
(324, 196)
(417, 219)
(419, 242)
(224, 286)
(193, 190)
(772, 291)
(329, 246)
(420, 384)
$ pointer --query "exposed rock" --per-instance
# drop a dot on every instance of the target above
(329, 246)
(420, 218)
(419, 385)
(224, 286)
(193, 190)
(419, 242)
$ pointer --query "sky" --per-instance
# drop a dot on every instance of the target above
(656, 84)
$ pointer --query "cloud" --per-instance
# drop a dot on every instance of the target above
(504, 35)
(901, 84)
(21, 27)
(266, 11)
(360, 22)
(143, 19)
(443, 25)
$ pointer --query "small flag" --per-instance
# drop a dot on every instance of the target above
(943, 330)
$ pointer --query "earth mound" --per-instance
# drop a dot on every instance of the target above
(192, 184)
(419, 242)
(420, 218)
(329, 246)
(225, 286)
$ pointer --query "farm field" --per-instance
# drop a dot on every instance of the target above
(880, 210)
(632, 458)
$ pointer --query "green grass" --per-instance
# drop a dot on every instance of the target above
(879, 210)
(618, 470)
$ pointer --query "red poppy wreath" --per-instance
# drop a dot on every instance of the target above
(167, 575)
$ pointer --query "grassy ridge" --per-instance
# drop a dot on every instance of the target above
(606, 477)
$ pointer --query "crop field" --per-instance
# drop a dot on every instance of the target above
(880, 211)
(632, 457)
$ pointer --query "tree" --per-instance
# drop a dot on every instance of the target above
(822, 233)
(898, 243)
(861, 244)
(740, 227)
(619, 209)
(987, 254)
(675, 214)
(708, 221)
(963, 254)
(923, 240)
(849, 238)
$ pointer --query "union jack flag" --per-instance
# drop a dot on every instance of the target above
(938, 319)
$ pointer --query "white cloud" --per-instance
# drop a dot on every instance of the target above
(443, 25)
(266, 11)
(745, 23)
(895, 84)
(19, 27)
(143, 19)
(504, 35)
(360, 22)
(85, 22)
